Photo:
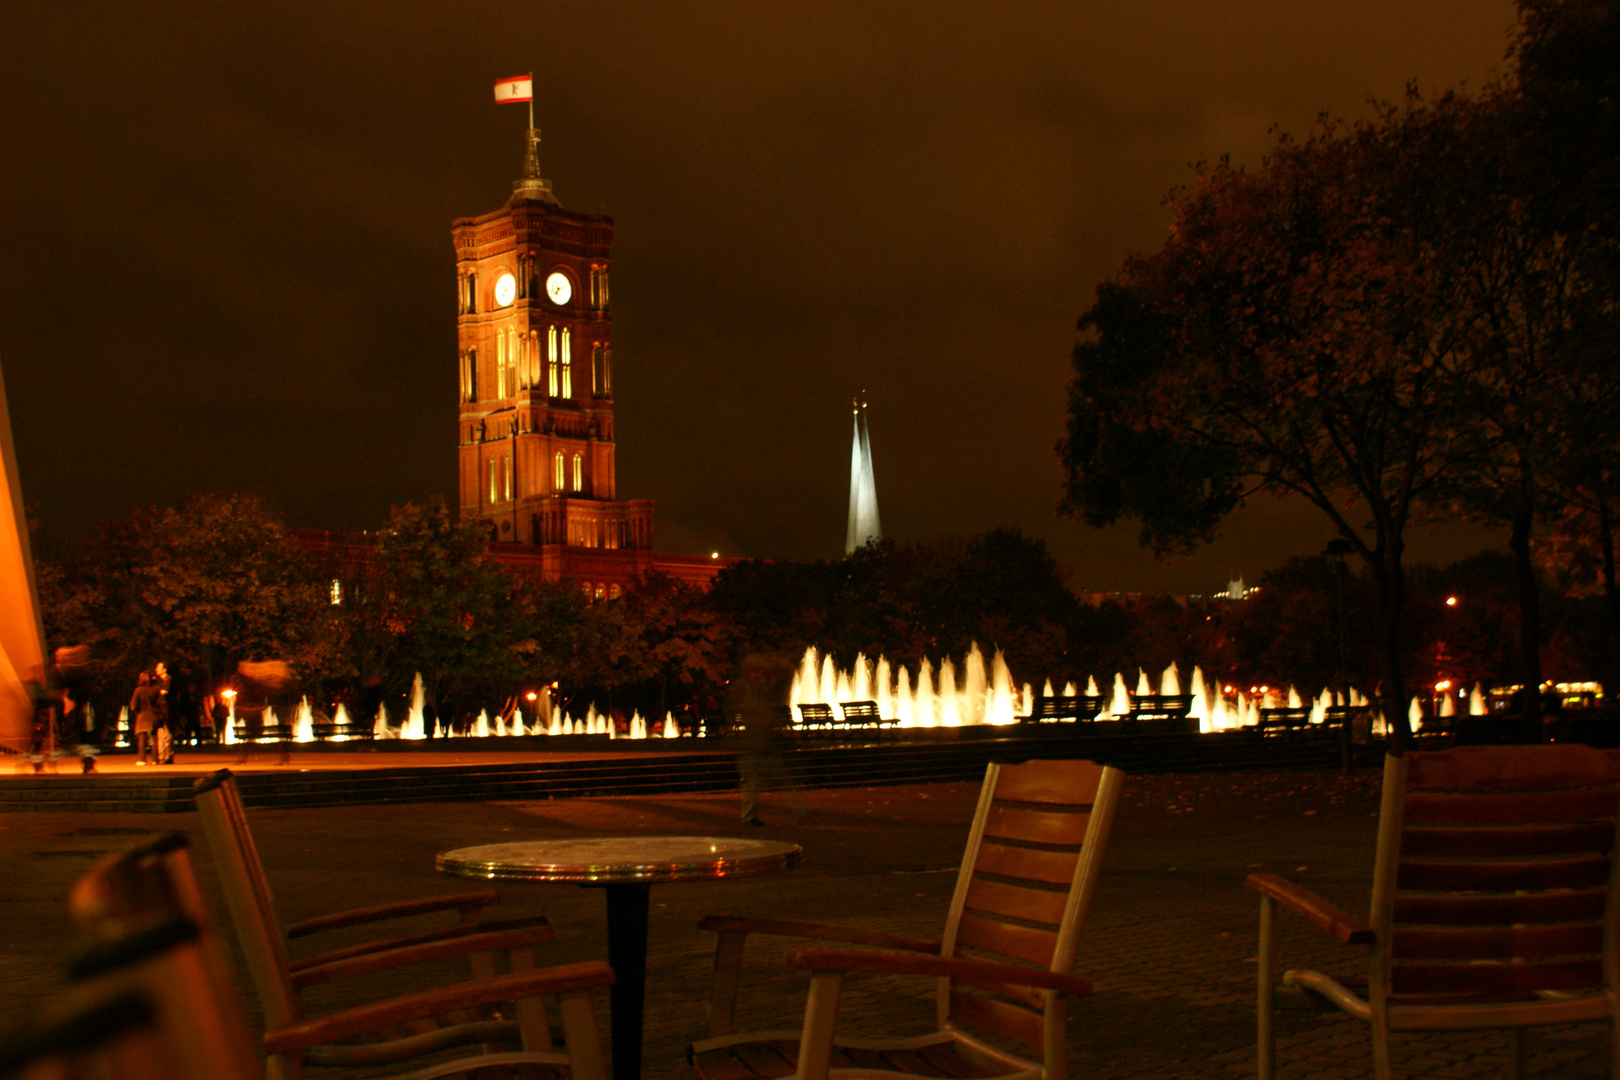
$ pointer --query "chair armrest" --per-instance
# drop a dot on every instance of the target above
(416, 954)
(734, 924)
(1347, 928)
(466, 995)
(463, 902)
(977, 972)
(405, 940)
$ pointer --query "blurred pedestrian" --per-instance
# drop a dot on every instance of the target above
(73, 684)
(756, 704)
(143, 708)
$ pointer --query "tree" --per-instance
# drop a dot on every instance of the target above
(200, 587)
(447, 606)
(1286, 339)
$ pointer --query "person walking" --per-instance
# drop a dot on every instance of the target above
(757, 699)
(72, 674)
(143, 707)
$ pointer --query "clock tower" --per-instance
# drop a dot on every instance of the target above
(535, 343)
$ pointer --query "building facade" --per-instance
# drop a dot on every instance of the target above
(535, 434)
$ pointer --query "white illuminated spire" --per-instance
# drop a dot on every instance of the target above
(864, 526)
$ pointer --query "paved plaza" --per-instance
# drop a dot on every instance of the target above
(1170, 943)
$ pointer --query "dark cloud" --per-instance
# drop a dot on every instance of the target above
(227, 260)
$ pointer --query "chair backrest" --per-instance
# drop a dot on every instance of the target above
(151, 942)
(1032, 860)
(247, 896)
(1495, 872)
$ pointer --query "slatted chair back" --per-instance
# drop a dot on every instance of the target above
(1495, 876)
(1031, 865)
(247, 897)
(151, 941)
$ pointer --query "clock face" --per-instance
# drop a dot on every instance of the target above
(505, 290)
(559, 288)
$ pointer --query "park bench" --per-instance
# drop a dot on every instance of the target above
(1079, 707)
(347, 731)
(1284, 721)
(815, 716)
(863, 714)
(1171, 706)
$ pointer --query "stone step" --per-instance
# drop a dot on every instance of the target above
(822, 765)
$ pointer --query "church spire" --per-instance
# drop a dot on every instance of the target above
(864, 527)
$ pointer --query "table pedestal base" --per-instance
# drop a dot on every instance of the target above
(627, 956)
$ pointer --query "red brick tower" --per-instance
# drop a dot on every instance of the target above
(535, 337)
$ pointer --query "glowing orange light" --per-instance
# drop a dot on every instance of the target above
(1444, 684)
(1451, 601)
(714, 554)
(532, 695)
(228, 695)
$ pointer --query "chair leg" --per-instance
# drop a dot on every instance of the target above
(820, 1022)
(1266, 1043)
(1380, 1041)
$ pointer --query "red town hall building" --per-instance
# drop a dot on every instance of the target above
(535, 439)
(534, 422)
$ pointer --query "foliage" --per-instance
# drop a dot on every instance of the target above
(198, 587)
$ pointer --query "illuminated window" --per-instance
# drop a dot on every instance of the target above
(551, 359)
(472, 293)
(613, 592)
(557, 469)
(531, 354)
(500, 364)
(587, 587)
(567, 365)
(601, 593)
(607, 371)
(506, 470)
(472, 374)
(335, 593)
(596, 370)
(579, 472)
(493, 475)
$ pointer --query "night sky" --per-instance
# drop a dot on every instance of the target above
(227, 260)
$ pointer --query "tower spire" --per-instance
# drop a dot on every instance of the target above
(864, 526)
(533, 185)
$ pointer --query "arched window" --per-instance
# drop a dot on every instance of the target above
(500, 364)
(532, 355)
(472, 374)
(567, 365)
(579, 472)
(607, 371)
(613, 592)
(557, 469)
(494, 490)
(472, 293)
(551, 361)
(506, 470)
(601, 593)
(596, 370)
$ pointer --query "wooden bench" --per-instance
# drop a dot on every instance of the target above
(1171, 706)
(863, 714)
(348, 731)
(1078, 707)
(815, 716)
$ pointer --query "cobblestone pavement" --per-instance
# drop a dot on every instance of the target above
(1170, 943)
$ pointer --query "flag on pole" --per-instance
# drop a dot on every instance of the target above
(517, 88)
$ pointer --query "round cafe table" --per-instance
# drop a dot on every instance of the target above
(626, 868)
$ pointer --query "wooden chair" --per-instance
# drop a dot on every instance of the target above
(153, 938)
(1003, 967)
(279, 980)
(1493, 899)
